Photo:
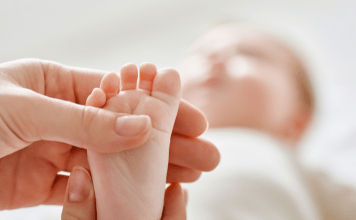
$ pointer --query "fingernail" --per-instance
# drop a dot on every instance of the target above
(131, 125)
(79, 185)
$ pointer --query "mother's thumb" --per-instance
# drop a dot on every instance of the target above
(87, 127)
(174, 203)
(79, 201)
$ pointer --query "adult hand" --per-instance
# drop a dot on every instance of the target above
(80, 199)
(45, 128)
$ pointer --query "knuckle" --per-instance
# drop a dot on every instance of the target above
(7, 142)
(88, 124)
(14, 132)
(88, 117)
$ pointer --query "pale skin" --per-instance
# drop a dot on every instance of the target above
(239, 76)
(45, 128)
(131, 184)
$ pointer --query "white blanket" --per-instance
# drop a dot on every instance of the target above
(257, 179)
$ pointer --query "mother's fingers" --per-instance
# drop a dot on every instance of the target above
(174, 203)
(190, 121)
(181, 174)
(197, 153)
(58, 191)
(77, 157)
(79, 201)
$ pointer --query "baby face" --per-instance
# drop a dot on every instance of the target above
(240, 77)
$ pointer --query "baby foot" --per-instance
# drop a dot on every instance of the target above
(131, 184)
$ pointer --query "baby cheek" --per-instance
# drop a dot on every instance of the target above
(254, 93)
(281, 104)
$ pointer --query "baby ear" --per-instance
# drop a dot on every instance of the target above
(298, 125)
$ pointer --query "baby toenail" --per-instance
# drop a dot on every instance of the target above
(132, 125)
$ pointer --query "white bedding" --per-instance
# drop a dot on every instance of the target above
(34, 213)
(257, 178)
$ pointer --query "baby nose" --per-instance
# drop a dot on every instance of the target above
(217, 69)
(216, 66)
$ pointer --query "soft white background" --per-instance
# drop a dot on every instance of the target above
(106, 34)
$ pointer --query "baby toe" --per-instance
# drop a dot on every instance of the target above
(167, 85)
(147, 74)
(96, 99)
(110, 84)
(129, 75)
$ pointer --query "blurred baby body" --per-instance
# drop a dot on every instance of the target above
(258, 86)
(256, 94)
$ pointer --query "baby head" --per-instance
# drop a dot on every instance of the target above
(240, 76)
